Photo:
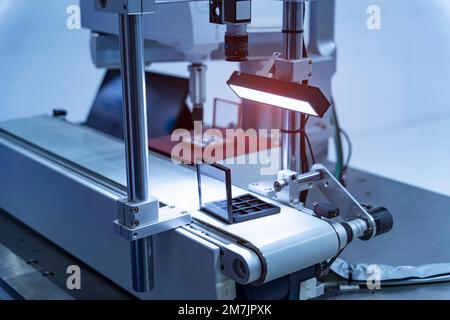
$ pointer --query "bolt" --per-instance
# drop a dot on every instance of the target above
(48, 274)
(277, 186)
(32, 262)
(134, 210)
(135, 223)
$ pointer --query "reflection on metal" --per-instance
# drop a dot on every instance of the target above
(21, 280)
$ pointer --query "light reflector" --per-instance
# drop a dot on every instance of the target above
(281, 94)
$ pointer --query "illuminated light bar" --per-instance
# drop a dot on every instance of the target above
(278, 93)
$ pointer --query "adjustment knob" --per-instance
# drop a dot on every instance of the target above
(383, 220)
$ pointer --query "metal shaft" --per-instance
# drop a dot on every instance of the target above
(293, 21)
(136, 139)
(197, 89)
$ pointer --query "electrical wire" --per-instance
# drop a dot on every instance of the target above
(339, 172)
(303, 137)
(311, 152)
(313, 158)
(328, 265)
(303, 154)
(350, 149)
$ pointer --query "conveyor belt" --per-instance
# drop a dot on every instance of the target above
(288, 241)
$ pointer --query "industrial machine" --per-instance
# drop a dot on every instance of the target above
(135, 217)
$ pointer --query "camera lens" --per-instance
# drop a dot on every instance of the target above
(236, 43)
(236, 47)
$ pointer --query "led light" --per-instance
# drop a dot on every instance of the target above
(281, 94)
(273, 99)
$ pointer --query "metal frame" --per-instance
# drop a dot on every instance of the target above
(290, 184)
(132, 65)
(138, 217)
(85, 204)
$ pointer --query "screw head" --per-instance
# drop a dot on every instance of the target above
(48, 274)
(277, 186)
(134, 210)
(135, 223)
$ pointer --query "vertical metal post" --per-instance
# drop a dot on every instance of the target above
(293, 21)
(197, 89)
(136, 139)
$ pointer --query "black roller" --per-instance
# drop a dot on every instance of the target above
(383, 220)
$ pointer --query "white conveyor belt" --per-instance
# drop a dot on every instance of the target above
(288, 241)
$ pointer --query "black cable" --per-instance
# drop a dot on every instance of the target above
(350, 149)
(303, 155)
(327, 267)
(313, 158)
(303, 137)
(339, 172)
(311, 152)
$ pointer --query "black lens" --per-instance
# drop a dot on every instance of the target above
(236, 47)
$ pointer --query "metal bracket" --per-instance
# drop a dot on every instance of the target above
(289, 184)
(293, 70)
(266, 71)
(311, 289)
(140, 220)
(128, 7)
(287, 70)
(133, 214)
(349, 207)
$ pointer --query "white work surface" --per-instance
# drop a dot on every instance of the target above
(417, 154)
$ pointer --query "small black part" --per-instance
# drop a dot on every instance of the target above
(232, 13)
(244, 208)
(236, 47)
(325, 210)
(349, 232)
(59, 113)
(216, 14)
(383, 220)
(284, 288)
(197, 114)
